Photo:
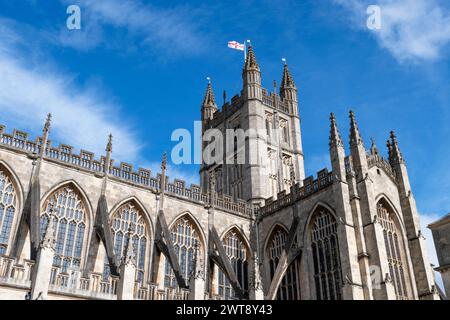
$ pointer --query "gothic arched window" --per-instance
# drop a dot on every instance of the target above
(185, 239)
(129, 220)
(326, 259)
(238, 254)
(289, 288)
(394, 249)
(70, 226)
(8, 208)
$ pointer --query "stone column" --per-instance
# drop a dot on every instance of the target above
(256, 288)
(197, 278)
(43, 269)
(125, 289)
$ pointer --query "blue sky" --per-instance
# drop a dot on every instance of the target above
(138, 69)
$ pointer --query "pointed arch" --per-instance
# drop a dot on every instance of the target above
(237, 248)
(187, 237)
(129, 218)
(195, 222)
(323, 247)
(73, 219)
(11, 202)
(289, 287)
(241, 234)
(275, 226)
(397, 216)
(396, 251)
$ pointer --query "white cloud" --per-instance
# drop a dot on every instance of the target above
(425, 220)
(173, 30)
(30, 87)
(411, 30)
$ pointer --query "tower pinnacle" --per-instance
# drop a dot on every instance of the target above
(355, 136)
(335, 136)
(395, 156)
(250, 63)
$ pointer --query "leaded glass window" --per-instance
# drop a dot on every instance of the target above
(289, 288)
(394, 249)
(8, 208)
(129, 220)
(185, 239)
(237, 252)
(70, 225)
(326, 260)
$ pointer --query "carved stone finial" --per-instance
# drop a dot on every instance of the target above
(109, 144)
(129, 255)
(164, 162)
(49, 240)
(47, 123)
(197, 264)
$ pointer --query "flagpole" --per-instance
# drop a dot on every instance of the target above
(245, 50)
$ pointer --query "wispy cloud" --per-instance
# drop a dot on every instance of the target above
(31, 86)
(173, 30)
(412, 30)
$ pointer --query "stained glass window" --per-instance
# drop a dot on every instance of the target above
(326, 259)
(238, 254)
(8, 207)
(70, 225)
(394, 249)
(289, 288)
(185, 239)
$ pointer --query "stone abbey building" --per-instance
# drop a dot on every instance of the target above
(76, 226)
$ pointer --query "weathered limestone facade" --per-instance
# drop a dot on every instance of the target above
(73, 226)
(441, 237)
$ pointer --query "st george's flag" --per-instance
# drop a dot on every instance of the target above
(236, 45)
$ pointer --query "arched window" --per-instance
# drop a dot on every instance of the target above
(289, 288)
(70, 225)
(325, 251)
(8, 208)
(129, 220)
(185, 239)
(238, 254)
(394, 249)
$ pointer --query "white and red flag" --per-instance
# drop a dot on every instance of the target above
(236, 45)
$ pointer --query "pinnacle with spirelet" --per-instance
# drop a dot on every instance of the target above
(355, 136)
(335, 136)
(395, 156)
(250, 62)
(287, 82)
(209, 99)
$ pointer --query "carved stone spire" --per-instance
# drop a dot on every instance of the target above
(45, 131)
(373, 148)
(395, 156)
(49, 240)
(335, 136)
(355, 136)
(287, 82)
(129, 256)
(163, 180)
(47, 123)
(108, 154)
(250, 62)
(212, 186)
(209, 100)
(209, 106)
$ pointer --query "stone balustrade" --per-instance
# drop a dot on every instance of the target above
(16, 274)
(151, 292)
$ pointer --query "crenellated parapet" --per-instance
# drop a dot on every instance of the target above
(85, 160)
(298, 192)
